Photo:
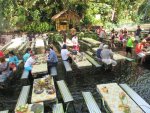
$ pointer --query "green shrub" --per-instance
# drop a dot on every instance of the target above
(38, 27)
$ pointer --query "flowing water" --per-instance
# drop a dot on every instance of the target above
(77, 81)
(135, 75)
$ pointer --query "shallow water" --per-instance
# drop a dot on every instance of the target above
(138, 77)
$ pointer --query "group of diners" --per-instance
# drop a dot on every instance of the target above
(30, 59)
(7, 66)
(128, 41)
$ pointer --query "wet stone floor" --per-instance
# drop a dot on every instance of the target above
(135, 75)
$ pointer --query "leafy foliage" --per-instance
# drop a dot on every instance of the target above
(40, 28)
(34, 14)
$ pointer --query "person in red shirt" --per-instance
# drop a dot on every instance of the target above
(139, 50)
(1, 54)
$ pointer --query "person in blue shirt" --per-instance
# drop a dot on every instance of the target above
(27, 54)
(98, 52)
(52, 58)
(13, 61)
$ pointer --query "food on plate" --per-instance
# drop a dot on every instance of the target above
(50, 90)
(122, 95)
(37, 108)
(125, 108)
(22, 109)
(104, 89)
(38, 91)
(44, 83)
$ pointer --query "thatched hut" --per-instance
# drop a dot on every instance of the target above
(66, 19)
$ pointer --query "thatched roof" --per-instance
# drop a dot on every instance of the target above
(64, 12)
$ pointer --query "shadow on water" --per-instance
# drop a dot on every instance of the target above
(136, 76)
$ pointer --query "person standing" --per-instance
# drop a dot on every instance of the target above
(102, 34)
(129, 44)
(75, 43)
(112, 39)
(138, 33)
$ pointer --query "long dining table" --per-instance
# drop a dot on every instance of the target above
(116, 99)
(81, 61)
(40, 66)
(44, 95)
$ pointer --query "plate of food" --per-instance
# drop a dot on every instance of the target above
(50, 90)
(105, 90)
(38, 91)
(22, 109)
(37, 108)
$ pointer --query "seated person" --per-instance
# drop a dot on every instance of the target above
(27, 54)
(106, 55)
(52, 58)
(29, 64)
(65, 54)
(98, 52)
(30, 61)
(13, 61)
(4, 70)
(139, 50)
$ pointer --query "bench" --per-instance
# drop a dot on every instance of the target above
(53, 71)
(6, 111)
(90, 102)
(129, 59)
(96, 64)
(87, 44)
(65, 93)
(141, 102)
(25, 74)
(58, 108)
(67, 66)
(89, 53)
(23, 96)
(22, 46)
(95, 49)
(5, 46)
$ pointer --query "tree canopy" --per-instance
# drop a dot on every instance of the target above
(35, 15)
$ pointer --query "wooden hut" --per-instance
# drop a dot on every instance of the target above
(66, 19)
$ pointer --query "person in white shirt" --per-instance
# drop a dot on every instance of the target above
(106, 55)
(30, 61)
(28, 66)
(75, 43)
(65, 54)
